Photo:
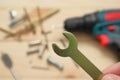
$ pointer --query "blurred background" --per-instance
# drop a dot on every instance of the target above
(29, 27)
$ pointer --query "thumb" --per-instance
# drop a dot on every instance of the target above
(111, 77)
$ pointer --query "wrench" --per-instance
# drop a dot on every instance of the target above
(73, 52)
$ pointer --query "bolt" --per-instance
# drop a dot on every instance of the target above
(55, 63)
(34, 43)
(17, 21)
(12, 14)
(33, 50)
(42, 51)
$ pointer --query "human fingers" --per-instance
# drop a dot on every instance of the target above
(111, 77)
(114, 69)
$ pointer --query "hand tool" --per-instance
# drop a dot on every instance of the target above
(73, 52)
(63, 43)
(87, 22)
(55, 63)
(104, 25)
(108, 33)
(8, 63)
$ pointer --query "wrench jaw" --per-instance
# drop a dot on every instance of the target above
(72, 46)
(58, 51)
(72, 40)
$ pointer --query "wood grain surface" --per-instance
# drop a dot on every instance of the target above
(34, 68)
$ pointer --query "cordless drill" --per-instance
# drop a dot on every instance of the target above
(104, 25)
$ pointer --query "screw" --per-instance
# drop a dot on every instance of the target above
(29, 20)
(16, 21)
(33, 50)
(55, 63)
(12, 14)
(34, 43)
(39, 67)
(42, 51)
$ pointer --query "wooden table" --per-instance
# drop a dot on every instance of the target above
(100, 56)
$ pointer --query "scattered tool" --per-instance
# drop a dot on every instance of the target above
(40, 21)
(43, 15)
(45, 47)
(30, 22)
(73, 52)
(41, 68)
(55, 63)
(6, 31)
(21, 32)
(87, 22)
(12, 14)
(42, 51)
(8, 63)
(104, 25)
(108, 33)
(63, 43)
(13, 23)
(33, 50)
(34, 43)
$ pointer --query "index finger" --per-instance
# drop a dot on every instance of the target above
(113, 69)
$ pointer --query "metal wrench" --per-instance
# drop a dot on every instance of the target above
(73, 52)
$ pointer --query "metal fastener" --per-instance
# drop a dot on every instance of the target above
(34, 43)
(16, 21)
(33, 50)
(9, 64)
(12, 14)
(55, 63)
(42, 51)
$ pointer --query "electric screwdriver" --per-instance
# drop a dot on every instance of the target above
(104, 25)
(86, 22)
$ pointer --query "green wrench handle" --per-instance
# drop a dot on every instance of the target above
(73, 52)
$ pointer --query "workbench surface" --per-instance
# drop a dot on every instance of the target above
(25, 65)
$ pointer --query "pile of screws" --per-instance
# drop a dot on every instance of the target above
(38, 46)
(35, 46)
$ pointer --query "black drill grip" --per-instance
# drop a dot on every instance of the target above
(81, 23)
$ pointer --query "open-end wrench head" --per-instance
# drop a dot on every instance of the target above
(58, 51)
(72, 40)
(72, 45)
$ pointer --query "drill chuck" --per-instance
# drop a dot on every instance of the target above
(82, 23)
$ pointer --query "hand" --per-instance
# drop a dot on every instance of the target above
(112, 72)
